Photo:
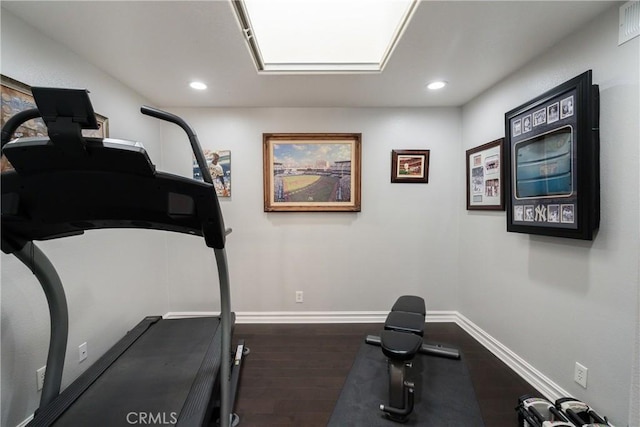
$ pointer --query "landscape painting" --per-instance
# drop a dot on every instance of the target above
(312, 172)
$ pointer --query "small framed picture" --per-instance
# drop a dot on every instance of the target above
(219, 163)
(485, 177)
(410, 166)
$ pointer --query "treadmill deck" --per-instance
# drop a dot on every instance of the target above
(150, 381)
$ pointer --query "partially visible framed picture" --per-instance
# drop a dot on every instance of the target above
(17, 97)
(219, 163)
(410, 166)
(312, 172)
(485, 177)
(552, 166)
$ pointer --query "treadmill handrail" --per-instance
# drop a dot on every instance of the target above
(44, 271)
(193, 138)
(222, 267)
(15, 121)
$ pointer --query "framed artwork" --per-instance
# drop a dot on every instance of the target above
(312, 172)
(552, 166)
(16, 97)
(219, 163)
(411, 166)
(485, 177)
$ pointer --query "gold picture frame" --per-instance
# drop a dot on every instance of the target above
(312, 172)
(16, 97)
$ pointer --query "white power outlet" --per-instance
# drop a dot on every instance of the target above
(580, 374)
(299, 296)
(40, 377)
(82, 352)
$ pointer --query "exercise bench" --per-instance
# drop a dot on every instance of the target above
(401, 340)
(408, 315)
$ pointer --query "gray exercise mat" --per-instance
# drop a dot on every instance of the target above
(444, 393)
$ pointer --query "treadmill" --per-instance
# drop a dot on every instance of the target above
(179, 372)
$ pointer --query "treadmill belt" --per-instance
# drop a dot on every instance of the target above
(148, 383)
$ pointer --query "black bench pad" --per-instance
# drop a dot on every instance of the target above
(411, 304)
(401, 321)
(399, 345)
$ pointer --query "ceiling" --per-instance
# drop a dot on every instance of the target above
(157, 47)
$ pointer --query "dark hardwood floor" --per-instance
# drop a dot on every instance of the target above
(294, 373)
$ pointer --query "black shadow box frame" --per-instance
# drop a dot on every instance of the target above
(552, 162)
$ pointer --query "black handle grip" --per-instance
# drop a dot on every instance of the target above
(163, 115)
(14, 123)
(193, 138)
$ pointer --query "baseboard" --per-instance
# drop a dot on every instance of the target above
(529, 373)
(537, 379)
(312, 316)
(25, 422)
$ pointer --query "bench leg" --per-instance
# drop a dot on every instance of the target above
(401, 393)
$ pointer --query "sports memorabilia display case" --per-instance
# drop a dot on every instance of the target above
(552, 162)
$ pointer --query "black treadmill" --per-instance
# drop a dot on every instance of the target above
(164, 371)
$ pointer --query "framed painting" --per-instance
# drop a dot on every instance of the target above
(17, 97)
(552, 162)
(312, 172)
(485, 177)
(410, 166)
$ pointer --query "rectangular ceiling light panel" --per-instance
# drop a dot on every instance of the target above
(322, 35)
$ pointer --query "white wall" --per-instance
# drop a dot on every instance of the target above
(403, 241)
(111, 278)
(556, 301)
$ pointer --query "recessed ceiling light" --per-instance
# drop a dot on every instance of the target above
(198, 85)
(436, 85)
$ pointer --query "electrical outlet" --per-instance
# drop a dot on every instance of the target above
(40, 377)
(580, 375)
(299, 296)
(82, 352)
